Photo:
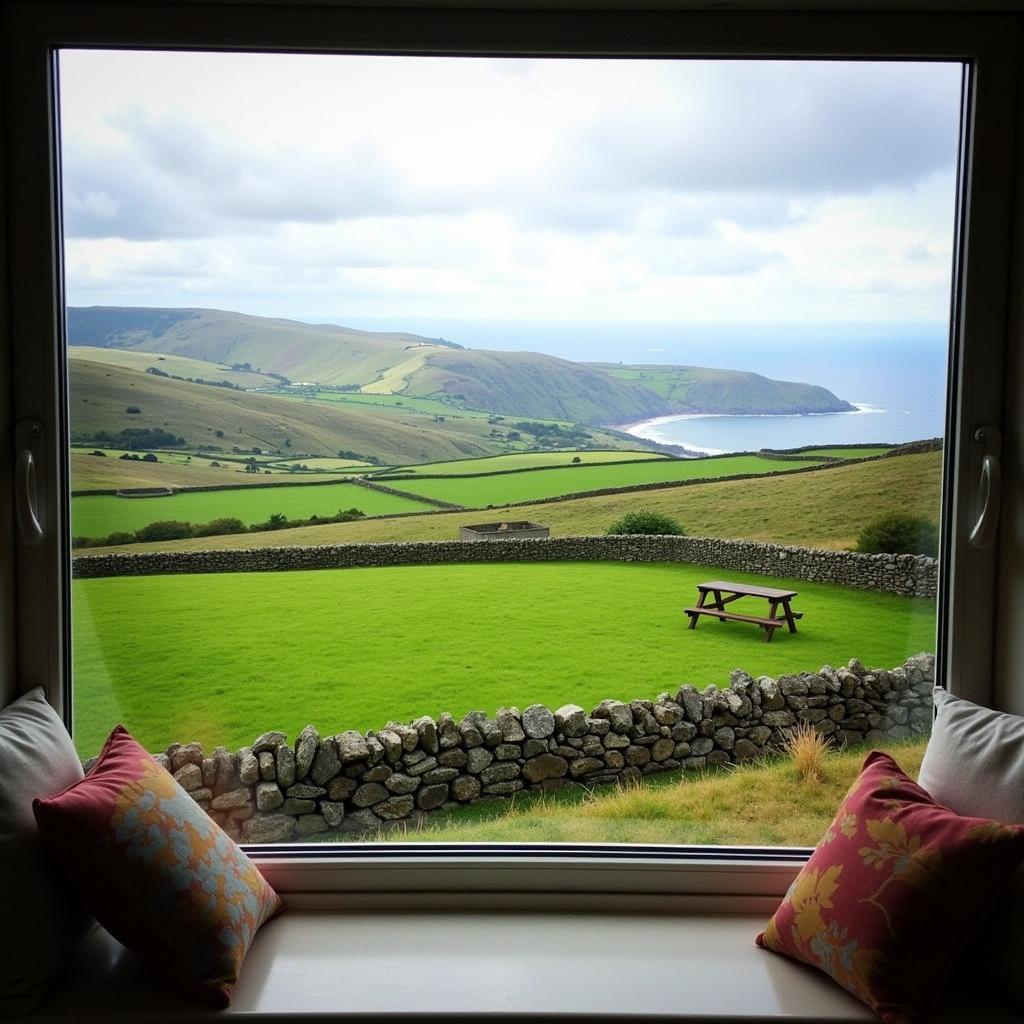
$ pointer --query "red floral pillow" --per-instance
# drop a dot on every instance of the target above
(157, 872)
(893, 891)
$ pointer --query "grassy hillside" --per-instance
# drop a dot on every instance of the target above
(531, 384)
(178, 366)
(526, 384)
(824, 509)
(222, 662)
(755, 804)
(505, 488)
(526, 460)
(92, 473)
(701, 389)
(101, 514)
(301, 352)
(101, 395)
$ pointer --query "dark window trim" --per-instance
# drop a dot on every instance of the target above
(34, 31)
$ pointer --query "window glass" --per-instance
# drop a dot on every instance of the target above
(507, 449)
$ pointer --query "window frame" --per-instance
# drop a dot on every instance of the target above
(986, 43)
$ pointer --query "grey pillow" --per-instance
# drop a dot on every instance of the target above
(43, 920)
(974, 765)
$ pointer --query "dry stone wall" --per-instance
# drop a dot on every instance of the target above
(906, 575)
(357, 784)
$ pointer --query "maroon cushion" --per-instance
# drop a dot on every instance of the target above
(893, 891)
(156, 871)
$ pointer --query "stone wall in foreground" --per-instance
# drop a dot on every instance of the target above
(906, 575)
(357, 784)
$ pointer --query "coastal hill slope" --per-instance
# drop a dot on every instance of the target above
(528, 384)
(110, 398)
(323, 353)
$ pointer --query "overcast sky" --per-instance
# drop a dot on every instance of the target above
(339, 188)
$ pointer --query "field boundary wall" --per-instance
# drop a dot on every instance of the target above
(905, 575)
(354, 784)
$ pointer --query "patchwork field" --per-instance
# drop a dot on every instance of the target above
(220, 658)
(507, 488)
(846, 453)
(821, 509)
(100, 515)
(526, 460)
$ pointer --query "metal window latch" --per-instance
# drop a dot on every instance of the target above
(990, 488)
(28, 441)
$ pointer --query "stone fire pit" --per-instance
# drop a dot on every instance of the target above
(508, 530)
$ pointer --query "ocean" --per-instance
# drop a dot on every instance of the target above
(894, 373)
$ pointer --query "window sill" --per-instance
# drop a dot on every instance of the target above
(344, 966)
(427, 876)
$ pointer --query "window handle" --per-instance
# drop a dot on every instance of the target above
(990, 489)
(26, 494)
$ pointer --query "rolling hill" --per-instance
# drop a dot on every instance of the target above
(102, 394)
(527, 384)
(301, 352)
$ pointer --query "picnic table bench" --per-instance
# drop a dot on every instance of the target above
(724, 592)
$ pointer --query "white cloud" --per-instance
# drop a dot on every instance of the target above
(314, 186)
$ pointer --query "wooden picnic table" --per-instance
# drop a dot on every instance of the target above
(724, 592)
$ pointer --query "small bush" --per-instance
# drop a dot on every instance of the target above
(807, 749)
(165, 529)
(899, 533)
(219, 527)
(646, 521)
(149, 457)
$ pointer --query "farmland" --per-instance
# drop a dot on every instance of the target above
(507, 488)
(834, 504)
(99, 515)
(845, 453)
(215, 657)
(524, 460)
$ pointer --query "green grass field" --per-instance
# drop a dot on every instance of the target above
(408, 403)
(320, 465)
(846, 453)
(90, 472)
(834, 506)
(221, 658)
(526, 460)
(99, 515)
(755, 804)
(507, 488)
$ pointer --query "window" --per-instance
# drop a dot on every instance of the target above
(95, 205)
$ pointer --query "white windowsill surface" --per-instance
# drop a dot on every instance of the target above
(344, 966)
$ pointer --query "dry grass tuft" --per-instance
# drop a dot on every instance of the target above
(807, 749)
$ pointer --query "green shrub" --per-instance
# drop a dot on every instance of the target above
(899, 533)
(165, 529)
(647, 521)
(219, 527)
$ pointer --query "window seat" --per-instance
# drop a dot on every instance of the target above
(338, 966)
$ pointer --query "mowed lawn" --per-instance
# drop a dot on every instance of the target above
(99, 515)
(508, 488)
(527, 460)
(222, 658)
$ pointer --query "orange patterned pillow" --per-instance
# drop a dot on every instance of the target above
(893, 892)
(157, 872)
